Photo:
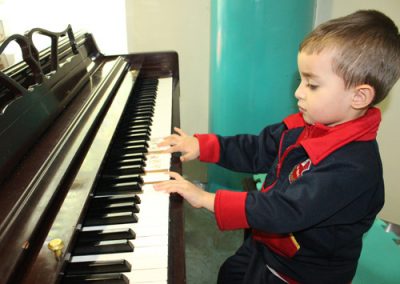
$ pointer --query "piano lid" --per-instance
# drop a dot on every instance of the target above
(32, 93)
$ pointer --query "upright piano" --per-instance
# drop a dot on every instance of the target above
(78, 159)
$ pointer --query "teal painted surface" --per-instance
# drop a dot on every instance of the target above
(253, 68)
(380, 257)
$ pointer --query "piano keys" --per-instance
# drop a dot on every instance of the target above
(88, 178)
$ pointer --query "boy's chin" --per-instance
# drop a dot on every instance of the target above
(307, 119)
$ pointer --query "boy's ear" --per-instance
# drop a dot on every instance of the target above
(363, 96)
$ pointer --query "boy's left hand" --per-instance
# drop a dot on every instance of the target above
(193, 194)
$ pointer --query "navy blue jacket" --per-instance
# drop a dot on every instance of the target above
(323, 190)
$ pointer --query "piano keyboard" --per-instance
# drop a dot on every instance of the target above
(124, 236)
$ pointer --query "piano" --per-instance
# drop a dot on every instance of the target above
(78, 160)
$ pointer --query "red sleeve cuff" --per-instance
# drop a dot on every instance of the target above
(230, 210)
(209, 147)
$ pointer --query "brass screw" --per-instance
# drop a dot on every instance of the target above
(56, 246)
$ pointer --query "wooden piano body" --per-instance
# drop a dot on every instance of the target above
(59, 111)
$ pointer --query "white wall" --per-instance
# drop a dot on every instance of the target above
(182, 26)
(389, 134)
(107, 21)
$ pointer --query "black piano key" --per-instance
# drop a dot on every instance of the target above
(110, 278)
(109, 201)
(111, 180)
(138, 108)
(135, 108)
(96, 267)
(146, 91)
(101, 235)
(135, 148)
(136, 136)
(127, 143)
(143, 112)
(129, 128)
(110, 219)
(129, 161)
(149, 110)
(139, 130)
(145, 104)
(140, 117)
(114, 209)
(146, 96)
(126, 169)
(131, 156)
(137, 122)
(103, 247)
(149, 81)
(147, 88)
(117, 165)
(125, 166)
(124, 143)
(126, 150)
(131, 133)
(119, 188)
(116, 157)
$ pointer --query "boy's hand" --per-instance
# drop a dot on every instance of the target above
(181, 142)
(196, 196)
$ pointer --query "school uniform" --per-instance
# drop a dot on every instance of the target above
(323, 189)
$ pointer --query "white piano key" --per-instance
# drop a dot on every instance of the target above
(153, 145)
(153, 276)
(153, 177)
(158, 162)
(147, 257)
(160, 228)
(163, 108)
(157, 225)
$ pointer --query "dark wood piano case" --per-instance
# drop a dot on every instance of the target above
(52, 105)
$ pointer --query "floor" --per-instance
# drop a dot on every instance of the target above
(206, 246)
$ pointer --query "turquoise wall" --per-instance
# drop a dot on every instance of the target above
(254, 47)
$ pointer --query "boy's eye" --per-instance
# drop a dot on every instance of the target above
(312, 86)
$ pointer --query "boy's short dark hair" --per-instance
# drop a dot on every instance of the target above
(367, 47)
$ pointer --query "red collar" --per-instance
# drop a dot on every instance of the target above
(319, 140)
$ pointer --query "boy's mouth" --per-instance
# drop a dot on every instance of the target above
(302, 110)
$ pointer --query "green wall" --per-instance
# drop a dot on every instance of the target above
(254, 47)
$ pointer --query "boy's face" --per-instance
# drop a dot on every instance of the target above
(321, 94)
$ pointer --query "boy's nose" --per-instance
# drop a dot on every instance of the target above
(298, 94)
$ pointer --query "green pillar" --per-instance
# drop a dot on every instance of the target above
(254, 46)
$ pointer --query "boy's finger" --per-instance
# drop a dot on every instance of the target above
(185, 157)
(179, 131)
(175, 176)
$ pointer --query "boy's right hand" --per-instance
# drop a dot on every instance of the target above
(181, 142)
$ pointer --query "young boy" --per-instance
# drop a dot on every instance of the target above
(324, 184)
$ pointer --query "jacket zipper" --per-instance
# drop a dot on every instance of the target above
(282, 157)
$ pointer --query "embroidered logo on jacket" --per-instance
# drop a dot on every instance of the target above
(299, 169)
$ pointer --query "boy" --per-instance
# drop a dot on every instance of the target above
(324, 184)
